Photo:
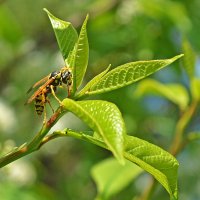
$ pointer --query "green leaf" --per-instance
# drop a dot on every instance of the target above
(189, 58)
(104, 118)
(65, 33)
(129, 73)
(158, 162)
(111, 177)
(162, 165)
(95, 80)
(78, 59)
(195, 89)
(174, 92)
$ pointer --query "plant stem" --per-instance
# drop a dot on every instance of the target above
(176, 145)
(148, 192)
(34, 144)
(78, 135)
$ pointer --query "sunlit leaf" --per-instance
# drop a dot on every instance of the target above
(162, 165)
(78, 59)
(65, 33)
(128, 73)
(156, 161)
(104, 118)
(111, 177)
(174, 92)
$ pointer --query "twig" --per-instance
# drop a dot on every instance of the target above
(35, 143)
(178, 141)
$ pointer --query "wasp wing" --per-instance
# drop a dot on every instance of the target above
(39, 91)
(40, 82)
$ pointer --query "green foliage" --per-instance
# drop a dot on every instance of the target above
(162, 165)
(66, 34)
(158, 162)
(127, 74)
(174, 92)
(79, 56)
(92, 82)
(74, 48)
(104, 118)
(111, 177)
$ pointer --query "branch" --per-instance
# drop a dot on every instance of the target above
(177, 144)
(35, 143)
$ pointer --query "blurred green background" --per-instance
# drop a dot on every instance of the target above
(118, 32)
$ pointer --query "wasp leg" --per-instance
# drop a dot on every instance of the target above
(52, 91)
(45, 115)
(68, 91)
(45, 112)
(47, 100)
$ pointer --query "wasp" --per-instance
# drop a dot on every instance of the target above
(48, 85)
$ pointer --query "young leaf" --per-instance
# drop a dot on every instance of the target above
(189, 59)
(174, 92)
(104, 118)
(78, 59)
(162, 165)
(128, 73)
(65, 33)
(158, 162)
(111, 177)
(95, 80)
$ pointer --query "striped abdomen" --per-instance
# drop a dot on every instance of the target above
(39, 104)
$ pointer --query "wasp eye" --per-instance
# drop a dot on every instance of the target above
(66, 76)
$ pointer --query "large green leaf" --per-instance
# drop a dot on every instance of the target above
(158, 162)
(162, 165)
(174, 92)
(127, 74)
(104, 118)
(111, 177)
(65, 33)
(78, 59)
(189, 59)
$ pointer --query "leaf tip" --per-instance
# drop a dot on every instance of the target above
(48, 13)
(87, 16)
(46, 10)
(178, 56)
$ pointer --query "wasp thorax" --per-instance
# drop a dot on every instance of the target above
(54, 74)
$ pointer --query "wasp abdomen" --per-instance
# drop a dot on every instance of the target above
(39, 104)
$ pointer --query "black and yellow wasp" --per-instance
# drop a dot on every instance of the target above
(48, 85)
